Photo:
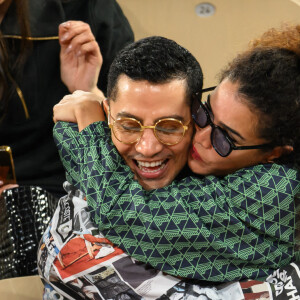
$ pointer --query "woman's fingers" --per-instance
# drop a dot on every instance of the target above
(7, 187)
(71, 29)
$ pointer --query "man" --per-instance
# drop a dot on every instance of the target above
(151, 83)
(150, 80)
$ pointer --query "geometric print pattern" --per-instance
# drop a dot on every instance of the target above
(206, 228)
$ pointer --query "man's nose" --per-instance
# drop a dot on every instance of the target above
(148, 145)
(203, 136)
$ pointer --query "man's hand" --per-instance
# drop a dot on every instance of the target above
(80, 56)
(81, 107)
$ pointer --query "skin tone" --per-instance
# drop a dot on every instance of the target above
(80, 107)
(147, 103)
(7, 186)
(230, 111)
(80, 57)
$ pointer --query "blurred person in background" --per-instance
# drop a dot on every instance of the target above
(33, 79)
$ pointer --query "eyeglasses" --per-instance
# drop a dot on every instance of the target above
(220, 140)
(168, 131)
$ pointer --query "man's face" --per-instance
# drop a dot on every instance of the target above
(153, 163)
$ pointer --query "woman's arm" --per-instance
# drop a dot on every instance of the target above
(80, 107)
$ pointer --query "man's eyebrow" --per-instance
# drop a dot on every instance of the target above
(128, 115)
(177, 117)
(222, 125)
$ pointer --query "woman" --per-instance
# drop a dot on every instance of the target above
(254, 162)
(30, 65)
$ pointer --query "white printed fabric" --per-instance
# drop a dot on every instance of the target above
(76, 261)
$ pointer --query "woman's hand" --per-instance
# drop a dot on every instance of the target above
(80, 107)
(80, 56)
(6, 187)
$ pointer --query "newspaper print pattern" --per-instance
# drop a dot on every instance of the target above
(75, 261)
(111, 274)
(240, 226)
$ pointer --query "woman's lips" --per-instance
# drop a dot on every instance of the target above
(195, 155)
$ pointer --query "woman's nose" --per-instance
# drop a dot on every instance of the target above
(203, 136)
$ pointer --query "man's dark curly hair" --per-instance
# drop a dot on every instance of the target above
(269, 82)
(157, 60)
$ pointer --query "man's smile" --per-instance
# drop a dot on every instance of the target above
(150, 169)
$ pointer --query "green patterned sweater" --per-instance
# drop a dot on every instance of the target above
(209, 228)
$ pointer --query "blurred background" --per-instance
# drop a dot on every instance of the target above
(214, 31)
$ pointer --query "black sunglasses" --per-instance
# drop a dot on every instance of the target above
(220, 140)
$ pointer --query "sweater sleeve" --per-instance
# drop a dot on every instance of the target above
(216, 229)
(65, 136)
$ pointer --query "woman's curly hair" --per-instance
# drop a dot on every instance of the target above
(268, 74)
(286, 37)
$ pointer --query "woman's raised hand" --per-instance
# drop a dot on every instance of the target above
(80, 56)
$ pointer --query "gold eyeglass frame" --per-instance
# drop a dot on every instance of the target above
(111, 126)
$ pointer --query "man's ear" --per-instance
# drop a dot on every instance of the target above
(279, 151)
(106, 107)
